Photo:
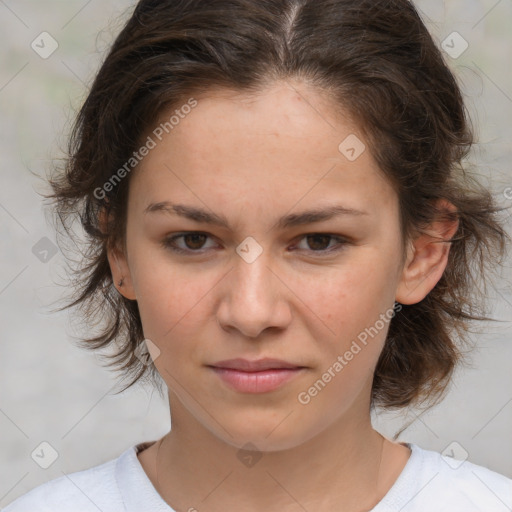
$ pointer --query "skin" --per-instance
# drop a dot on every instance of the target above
(254, 159)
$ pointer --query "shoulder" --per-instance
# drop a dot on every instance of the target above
(452, 484)
(83, 491)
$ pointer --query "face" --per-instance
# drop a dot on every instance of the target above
(253, 277)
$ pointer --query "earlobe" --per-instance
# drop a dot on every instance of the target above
(427, 259)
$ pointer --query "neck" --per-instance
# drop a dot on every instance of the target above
(349, 464)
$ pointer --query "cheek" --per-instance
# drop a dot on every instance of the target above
(350, 297)
(356, 302)
(173, 300)
(356, 305)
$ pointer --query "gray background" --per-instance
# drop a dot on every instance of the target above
(52, 391)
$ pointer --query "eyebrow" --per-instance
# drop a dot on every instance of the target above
(287, 221)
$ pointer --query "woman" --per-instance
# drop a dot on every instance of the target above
(280, 230)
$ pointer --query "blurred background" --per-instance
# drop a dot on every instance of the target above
(53, 392)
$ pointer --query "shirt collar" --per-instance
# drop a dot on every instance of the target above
(135, 487)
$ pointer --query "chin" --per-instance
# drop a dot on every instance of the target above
(266, 434)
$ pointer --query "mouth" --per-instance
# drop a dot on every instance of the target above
(260, 376)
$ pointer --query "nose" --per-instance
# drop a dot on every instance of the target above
(253, 298)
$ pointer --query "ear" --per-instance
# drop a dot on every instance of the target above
(118, 263)
(427, 258)
(121, 273)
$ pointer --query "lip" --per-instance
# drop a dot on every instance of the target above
(258, 365)
(260, 376)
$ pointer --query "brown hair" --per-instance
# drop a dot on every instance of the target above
(377, 60)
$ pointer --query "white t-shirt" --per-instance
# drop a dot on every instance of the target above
(429, 482)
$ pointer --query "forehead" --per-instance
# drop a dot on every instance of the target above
(286, 142)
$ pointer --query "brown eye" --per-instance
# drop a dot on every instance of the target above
(318, 242)
(192, 243)
(322, 243)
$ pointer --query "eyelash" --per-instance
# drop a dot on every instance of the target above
(170, 243)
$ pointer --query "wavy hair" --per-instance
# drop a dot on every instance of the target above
(376, 60)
